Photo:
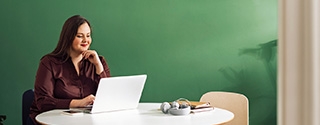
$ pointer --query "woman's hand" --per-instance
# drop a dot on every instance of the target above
(82, 102)
(93, 57)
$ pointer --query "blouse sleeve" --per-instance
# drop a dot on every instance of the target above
(44, 89)
(106, 71)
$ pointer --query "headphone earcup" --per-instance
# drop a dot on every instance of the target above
(175, 104)
(180, 111)
(184, 105)
(165, 106)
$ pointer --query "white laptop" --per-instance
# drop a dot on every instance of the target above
(118, 93)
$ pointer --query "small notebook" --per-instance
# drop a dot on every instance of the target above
(200, 106)
(195, 104)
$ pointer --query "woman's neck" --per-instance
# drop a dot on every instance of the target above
(76, 57)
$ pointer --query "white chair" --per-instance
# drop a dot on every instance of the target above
(237, 103)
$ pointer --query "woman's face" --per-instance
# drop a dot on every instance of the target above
(82, 40)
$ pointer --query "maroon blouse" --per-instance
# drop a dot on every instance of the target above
(57, 83)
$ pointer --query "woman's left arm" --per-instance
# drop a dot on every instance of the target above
(99, 62)
(106, 70)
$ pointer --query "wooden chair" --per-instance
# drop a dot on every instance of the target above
(234, 102)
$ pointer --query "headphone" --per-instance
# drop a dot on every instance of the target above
(178, 107)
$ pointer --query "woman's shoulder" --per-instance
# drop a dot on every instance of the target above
(102, 58)
(50, 58)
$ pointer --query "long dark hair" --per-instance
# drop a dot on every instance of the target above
(67, 35)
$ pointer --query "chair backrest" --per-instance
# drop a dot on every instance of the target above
(234, 102)
(27, 99)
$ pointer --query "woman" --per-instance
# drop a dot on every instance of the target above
(68, 77)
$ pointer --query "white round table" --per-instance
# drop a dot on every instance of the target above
(145, 114)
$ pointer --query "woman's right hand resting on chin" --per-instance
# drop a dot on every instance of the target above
(75, 103)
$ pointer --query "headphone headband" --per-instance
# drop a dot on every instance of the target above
(184, 99)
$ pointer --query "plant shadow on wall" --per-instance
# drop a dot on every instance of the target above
(257, 80)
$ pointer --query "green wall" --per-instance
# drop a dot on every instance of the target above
(187, 47)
